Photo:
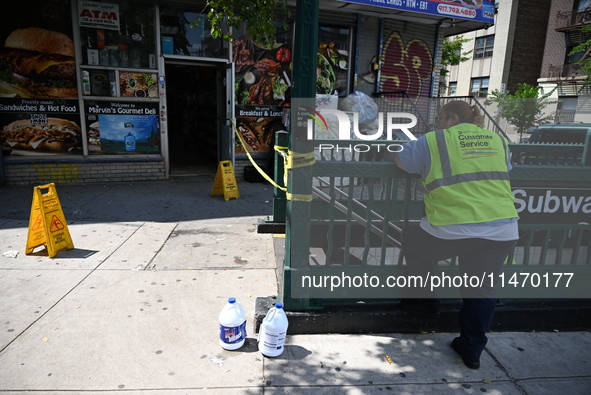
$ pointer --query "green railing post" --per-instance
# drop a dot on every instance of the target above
(297, 232)
(587, 151)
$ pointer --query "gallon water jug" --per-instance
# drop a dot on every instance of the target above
(232, 325)
(273, 331)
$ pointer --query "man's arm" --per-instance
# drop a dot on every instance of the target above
(398, 161)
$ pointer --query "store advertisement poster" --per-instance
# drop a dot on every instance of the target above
(37, 52)
(138, 84)
(40, 127)
(262, 88)
(98, 15)
(257, 126)
(121, 127)
(478, 10)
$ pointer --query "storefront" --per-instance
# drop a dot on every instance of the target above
(112, 90)
(95, 91)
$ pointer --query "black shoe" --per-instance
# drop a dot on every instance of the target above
(455, 344)
(426, 307)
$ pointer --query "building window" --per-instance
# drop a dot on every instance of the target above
(484, 47)
(479, 87)
(566, 109)
(453, 88)
(582, 5)
(179, 38)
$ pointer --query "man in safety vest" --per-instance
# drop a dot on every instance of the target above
(470, 214)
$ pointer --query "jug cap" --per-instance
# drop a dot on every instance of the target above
(231, 300)
(279, 305)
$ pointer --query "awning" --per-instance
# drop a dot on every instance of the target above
(456, 16)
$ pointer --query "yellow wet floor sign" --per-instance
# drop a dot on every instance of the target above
(47, 223)
(225, 181)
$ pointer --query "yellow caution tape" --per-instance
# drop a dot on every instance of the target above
(291, 160)
(256, 166)
(294, 197)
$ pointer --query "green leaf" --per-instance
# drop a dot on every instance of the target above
(259, 17)
(524, 108)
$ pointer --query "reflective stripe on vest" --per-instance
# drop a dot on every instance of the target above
(449, 179)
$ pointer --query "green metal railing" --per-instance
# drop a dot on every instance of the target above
(427, 108)
(551, 154)
(363, 204)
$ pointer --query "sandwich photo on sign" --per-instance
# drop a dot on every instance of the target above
(54, 135)
(38, 63)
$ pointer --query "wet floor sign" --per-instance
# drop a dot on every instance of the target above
(225, 181)
(47, 223)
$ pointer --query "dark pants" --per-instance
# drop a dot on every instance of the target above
(475, 257)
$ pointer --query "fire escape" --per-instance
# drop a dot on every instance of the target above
(571, 81)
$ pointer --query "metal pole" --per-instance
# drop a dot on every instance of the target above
(297, 234)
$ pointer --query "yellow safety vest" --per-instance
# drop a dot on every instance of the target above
(468, 181)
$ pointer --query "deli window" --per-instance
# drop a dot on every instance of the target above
(118, 41)
(119, 73)
(117, 34)
(187, 33)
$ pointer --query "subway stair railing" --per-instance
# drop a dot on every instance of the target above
(363, 203)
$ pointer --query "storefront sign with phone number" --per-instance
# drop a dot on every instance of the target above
(477, 10)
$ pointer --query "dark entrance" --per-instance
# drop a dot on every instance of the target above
(193, 94)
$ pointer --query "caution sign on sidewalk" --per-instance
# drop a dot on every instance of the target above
(47, 223)
(225, 181)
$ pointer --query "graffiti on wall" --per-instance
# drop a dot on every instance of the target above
(406, 67)
(52, 172)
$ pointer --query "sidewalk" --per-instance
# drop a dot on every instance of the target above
(134, 308)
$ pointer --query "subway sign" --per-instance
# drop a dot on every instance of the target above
(537, 205)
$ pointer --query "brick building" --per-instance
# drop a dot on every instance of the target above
(529, 43)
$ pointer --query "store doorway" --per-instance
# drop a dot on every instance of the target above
(196, 115)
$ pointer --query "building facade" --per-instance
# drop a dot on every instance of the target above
(530, 42)
(559, 68)
(132, 90)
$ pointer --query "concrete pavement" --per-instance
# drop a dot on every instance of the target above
(134, 308)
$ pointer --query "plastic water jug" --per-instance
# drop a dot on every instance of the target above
(232, 325)
(273, 331)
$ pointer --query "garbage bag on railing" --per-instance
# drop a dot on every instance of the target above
(363, 105)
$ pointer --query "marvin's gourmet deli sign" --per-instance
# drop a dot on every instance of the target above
(122, 127)
(478, 10)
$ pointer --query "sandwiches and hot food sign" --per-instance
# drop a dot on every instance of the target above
(39, 110)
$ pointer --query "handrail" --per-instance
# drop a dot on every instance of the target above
(491, 119)
(496, 127)
(470, 99)
(342, 208)
(406, 96)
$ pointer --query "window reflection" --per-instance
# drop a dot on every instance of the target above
(179, 38)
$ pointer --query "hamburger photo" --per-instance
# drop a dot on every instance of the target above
(40, 64)
(57, 135)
